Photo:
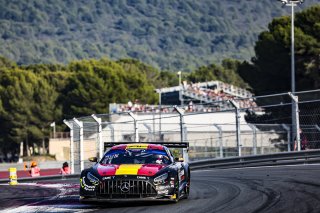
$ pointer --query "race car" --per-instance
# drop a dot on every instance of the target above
(136, 171)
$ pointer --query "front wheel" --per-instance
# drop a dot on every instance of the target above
(187, 188)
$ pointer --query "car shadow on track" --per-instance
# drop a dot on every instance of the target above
(128, 204)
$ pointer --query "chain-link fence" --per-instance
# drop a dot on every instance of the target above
(233, 127)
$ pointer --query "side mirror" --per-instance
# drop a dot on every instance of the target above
(179, 159)
(93, 159)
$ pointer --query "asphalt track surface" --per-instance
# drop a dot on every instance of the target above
(264, 189)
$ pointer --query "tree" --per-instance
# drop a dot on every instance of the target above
(95, 84)
(271, 70)
(227, 73)
(28, 106)
(84, 94)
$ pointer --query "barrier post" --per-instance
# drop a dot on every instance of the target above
(13, 176)
(237, 109)
(182, 133)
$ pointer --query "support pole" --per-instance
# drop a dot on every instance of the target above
(287, 128)
(99, 142)
(238, 116)
(293, 86)
(80, 124)
(296, 126)
(220, 139)
(153, 127)
(160, 108)
(136, 130)
(182, 134)
(254, 138)
(53, 125)
(70, 125)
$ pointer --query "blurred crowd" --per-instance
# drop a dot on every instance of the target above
(211, 99)
(216, 95)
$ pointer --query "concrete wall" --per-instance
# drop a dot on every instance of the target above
(60, 148)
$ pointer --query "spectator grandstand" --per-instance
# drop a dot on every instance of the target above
(194, 97)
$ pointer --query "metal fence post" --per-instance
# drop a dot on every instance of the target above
(287, 128)
(236, 106)
(220, 139)
(136, 129)
(80, 124)
(154, 126)
(185, 133)
(296, 127)
(182, 134)
(160, 108)
(254, 131)
(70, 125)
(100, 143)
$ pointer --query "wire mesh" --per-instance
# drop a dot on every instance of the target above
(265, 126)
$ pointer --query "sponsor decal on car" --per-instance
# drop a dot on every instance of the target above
(163, 187)
(85, 186)
(137, 146)
(106, 178)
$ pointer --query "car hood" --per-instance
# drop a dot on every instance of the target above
(129, 169)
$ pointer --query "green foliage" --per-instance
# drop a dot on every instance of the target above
(166, 79)
(95, 84)
(28, 104)
(171, 35)
(227, 72)
(33, 96)
(271, 70)
(4, 62)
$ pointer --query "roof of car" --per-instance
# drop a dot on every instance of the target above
(138, 146)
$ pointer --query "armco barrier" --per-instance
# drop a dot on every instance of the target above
(285, 158)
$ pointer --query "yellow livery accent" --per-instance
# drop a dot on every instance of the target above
(137, 146)
(128, 169)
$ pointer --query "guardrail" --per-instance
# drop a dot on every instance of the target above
(285, 158)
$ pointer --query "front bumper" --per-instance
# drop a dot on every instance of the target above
(128, 188)
(100, 199)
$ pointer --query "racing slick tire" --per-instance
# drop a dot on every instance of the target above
(187, 187)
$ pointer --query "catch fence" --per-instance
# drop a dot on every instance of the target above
(226, 128)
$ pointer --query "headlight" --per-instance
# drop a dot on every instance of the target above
(93, 179)
(161, 178)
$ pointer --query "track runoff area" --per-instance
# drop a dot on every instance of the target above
(260, 189)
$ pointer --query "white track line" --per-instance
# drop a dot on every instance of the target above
(40, 206)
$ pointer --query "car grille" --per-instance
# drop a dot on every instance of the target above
(126, 189)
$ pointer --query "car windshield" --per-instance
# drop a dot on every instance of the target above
(135, 156)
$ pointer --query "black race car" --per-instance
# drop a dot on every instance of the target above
(136, 171)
